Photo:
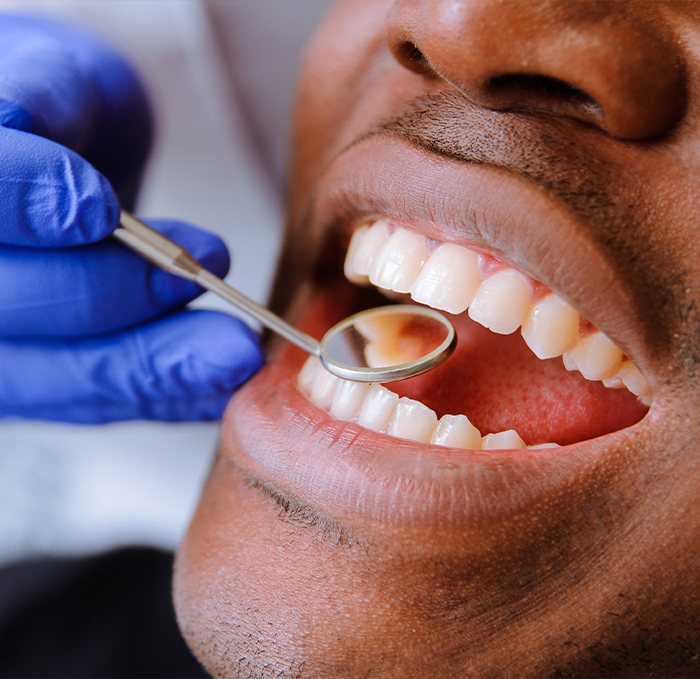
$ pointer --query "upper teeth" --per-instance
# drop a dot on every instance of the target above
(453, 278)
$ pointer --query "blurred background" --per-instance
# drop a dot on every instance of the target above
(221, 77)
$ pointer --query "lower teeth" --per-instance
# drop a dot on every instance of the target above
(375, 407)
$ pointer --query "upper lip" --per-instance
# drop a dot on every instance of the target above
(483, 208)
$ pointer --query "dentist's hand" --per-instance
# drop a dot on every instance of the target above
(89, 331)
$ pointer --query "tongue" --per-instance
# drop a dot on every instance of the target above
(499, 384)
(496, 381)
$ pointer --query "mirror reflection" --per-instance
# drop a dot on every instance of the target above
(385, 338)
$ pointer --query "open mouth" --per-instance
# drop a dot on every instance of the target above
(529, 369)
(485, 297)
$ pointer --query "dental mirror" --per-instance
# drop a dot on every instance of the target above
(385, 344)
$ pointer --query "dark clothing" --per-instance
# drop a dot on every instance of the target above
(104, 616)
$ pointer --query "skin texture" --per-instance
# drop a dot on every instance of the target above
(563, 138)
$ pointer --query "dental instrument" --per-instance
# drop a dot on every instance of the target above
(384, 344)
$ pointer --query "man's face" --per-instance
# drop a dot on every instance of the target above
(538, 162)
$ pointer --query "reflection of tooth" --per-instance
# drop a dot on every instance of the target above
(306, 375)
(551, 327)
(502, 302)
(503, 440)
(369, 246)
(350, 267)
(377, 406)
(389, 340)
(347, 399)
(544, 445)
(399, 262)
(449, 279)
(633, 379)
(647, 399)
(596, 356)
(456, 431)
(322, 387)
(412, 420)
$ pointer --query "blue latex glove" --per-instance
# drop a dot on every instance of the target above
(89, 331)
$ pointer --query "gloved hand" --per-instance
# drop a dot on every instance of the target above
(89, 331)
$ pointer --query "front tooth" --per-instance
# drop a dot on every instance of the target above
(449, 279)
(369, 245)
(456, 431)
(347, 399)
(503, 440)
(502, 302)
(412, 420)
(377, 407)
(551, 328)
(596, 357)
(350, 267)
(399, 262)
(323, 387)
(306, 374)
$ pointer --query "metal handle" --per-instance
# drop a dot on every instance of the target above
(169, 256)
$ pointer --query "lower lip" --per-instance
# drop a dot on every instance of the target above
(355, 475)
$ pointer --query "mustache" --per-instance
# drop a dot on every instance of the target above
(536, 147)
(586, 171)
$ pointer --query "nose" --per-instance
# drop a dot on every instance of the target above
(615, 65)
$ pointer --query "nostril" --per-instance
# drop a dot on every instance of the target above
(513, 91)
(409, 55)
(542, 85)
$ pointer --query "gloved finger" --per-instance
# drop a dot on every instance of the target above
(63, 84)
(183, 367)
(50, 196)
(96, 288)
